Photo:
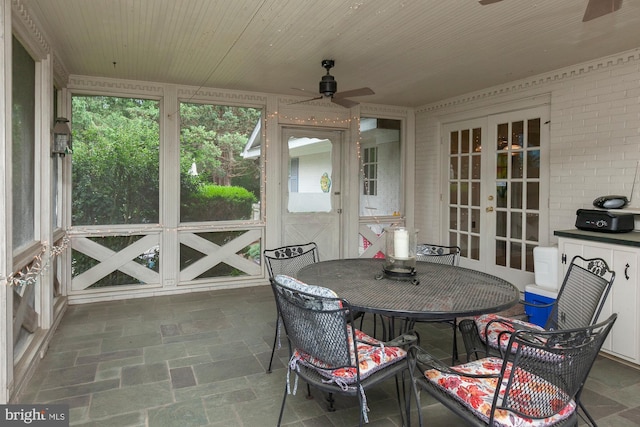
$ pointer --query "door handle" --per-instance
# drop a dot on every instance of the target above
(489, 209)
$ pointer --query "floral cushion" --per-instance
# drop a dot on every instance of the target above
(495, 328)
(477, 393)
(372, 356)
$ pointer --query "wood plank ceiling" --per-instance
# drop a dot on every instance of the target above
(410, 52)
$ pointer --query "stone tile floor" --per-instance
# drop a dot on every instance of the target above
(199, 359)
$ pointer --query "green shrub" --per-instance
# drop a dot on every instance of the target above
(217, 203)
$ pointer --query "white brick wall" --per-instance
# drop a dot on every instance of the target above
(594, 136)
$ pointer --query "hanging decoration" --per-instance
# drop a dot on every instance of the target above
(29, 274)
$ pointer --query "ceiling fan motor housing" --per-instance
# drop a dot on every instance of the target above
(328, 85)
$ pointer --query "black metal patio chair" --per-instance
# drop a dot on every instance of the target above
(326, 351)
(449, 255)
(538, 381)
(580, 300)
(287, 260)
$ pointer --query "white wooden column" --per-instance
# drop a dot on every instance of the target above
(44, 87)
(6, 293)
(170, 187)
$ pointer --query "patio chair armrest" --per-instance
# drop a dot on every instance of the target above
(403, 340)
(425, 361)
(537, 304)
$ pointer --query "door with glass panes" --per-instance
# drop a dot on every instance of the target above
(496, 195)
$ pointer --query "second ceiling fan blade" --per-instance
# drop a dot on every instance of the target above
(354, 92)
(598, 8)
(346, 103)
(307, 100)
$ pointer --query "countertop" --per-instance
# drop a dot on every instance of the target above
(631, 238)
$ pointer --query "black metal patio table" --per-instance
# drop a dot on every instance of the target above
(444, 291)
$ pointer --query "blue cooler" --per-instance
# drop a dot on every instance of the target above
(535, 294)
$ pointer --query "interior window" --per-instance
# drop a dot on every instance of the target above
(381, 167)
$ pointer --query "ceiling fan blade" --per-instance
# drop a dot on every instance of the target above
(598, 8)
(346, 103)
(305, 91)
(307, 100)
(354, 92)
(484, 2)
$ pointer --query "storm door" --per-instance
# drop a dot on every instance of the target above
(311, 203)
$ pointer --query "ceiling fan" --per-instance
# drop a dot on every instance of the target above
(595, 8)
(329, 89)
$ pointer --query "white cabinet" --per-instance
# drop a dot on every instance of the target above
(624, 339)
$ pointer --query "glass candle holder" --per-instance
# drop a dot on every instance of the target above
(400, 256)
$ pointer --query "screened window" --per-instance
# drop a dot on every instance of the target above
(220, 171)
(23, 146)
(115, 160)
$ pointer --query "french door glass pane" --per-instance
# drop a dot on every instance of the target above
(501, 224)
(501, 253)
(475, 220)
(533, 133)
(465, 175)
(501, 194)
(453, 218)
(533, 226)
(516, 225)
(533, 164)
(475, 194)
(517, 191)
(533, 195)
(464, 219)
(516, 255)
(517, 165)
(516, 195)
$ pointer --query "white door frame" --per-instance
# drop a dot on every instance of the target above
(487, 234)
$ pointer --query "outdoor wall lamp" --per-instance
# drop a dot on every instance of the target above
(61, 138)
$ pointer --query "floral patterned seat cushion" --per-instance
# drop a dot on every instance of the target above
(495, 328)
(373, 355)
(477, 393)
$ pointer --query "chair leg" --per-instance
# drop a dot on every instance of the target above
(587, 414)
(472, 343)
(454, 350)
(414, 392)
(284, 399)
(275, 343)
(398, 396)
(309, 396)
(331, 401)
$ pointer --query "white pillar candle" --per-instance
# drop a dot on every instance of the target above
(401, 243)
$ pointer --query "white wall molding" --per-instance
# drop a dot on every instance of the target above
(27, 30)
(539, 81)
(127, 88)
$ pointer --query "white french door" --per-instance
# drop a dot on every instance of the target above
(312, 203)
(497, 190)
